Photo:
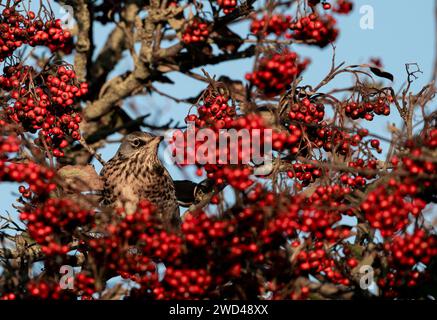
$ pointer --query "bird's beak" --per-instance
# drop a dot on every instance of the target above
(158, 138)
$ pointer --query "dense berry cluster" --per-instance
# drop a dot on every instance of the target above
(410, 249)
(223, 154)
(275, 72)
(238, 153)
(49, 223)
(276, 24)
(196, 31)
(405, 252)
(365, 170)
(215, 111)
(415, 165)
(45, 102)
(333, 139)
(132, 244)
(38, 178)
(315, 216)
(388, 209)
(227, 5)
(306, 111)
(315, 30)
(343, 7)
(316, 261)
(418, 162)
(306, 173)
(430, 138)
(43, 290)
(8, 296)
(367, 109)
(8, 144)
(183, 284)
(84, 285)
(323, 210)
(306, 120)
(17, 29)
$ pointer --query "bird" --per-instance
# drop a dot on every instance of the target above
(135, 173)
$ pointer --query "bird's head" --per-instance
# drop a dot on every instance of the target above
(139, 143)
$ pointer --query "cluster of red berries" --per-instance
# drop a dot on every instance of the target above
(405, 252)
(227, 5)
(343, 7)
(229, 236)
(306, 118)
(370, 165)
(418, 162)
(319, 222)
(238, 177)
(290, 140)
(316, 261)
(283, 225)
(301, 294)
(51, 221)
(306, 173)
(196, 31)
(312, 215)
(326, 5)
(14, 75)
(214, 111)
(366, 110)
(8, 144)
(333, 139)
(353, 181)
(388, 208)
(130, 245)
(17, 29)
(84, 285)
(430, 138)
(38, 178)
(366, 170)
(183, 284)
(200, 230)
(8, 296)
(46, 290)
(64, 87)
(45, 102)
(411, 165)
(240, 152)
(275, 72)
(202, 145)
(315, 30)
(307, 111)
(277, 24)
(52, 35)
(415, 164)
(331, 198)
(409, 249)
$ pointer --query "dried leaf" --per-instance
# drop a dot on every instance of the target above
(81, 178)
(376, 71)
(176, 23)
(381, 73)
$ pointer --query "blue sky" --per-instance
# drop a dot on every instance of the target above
(403, 33)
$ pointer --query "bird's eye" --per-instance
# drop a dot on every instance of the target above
(137, 143)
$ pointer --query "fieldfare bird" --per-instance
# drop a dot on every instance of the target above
(136, 173)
